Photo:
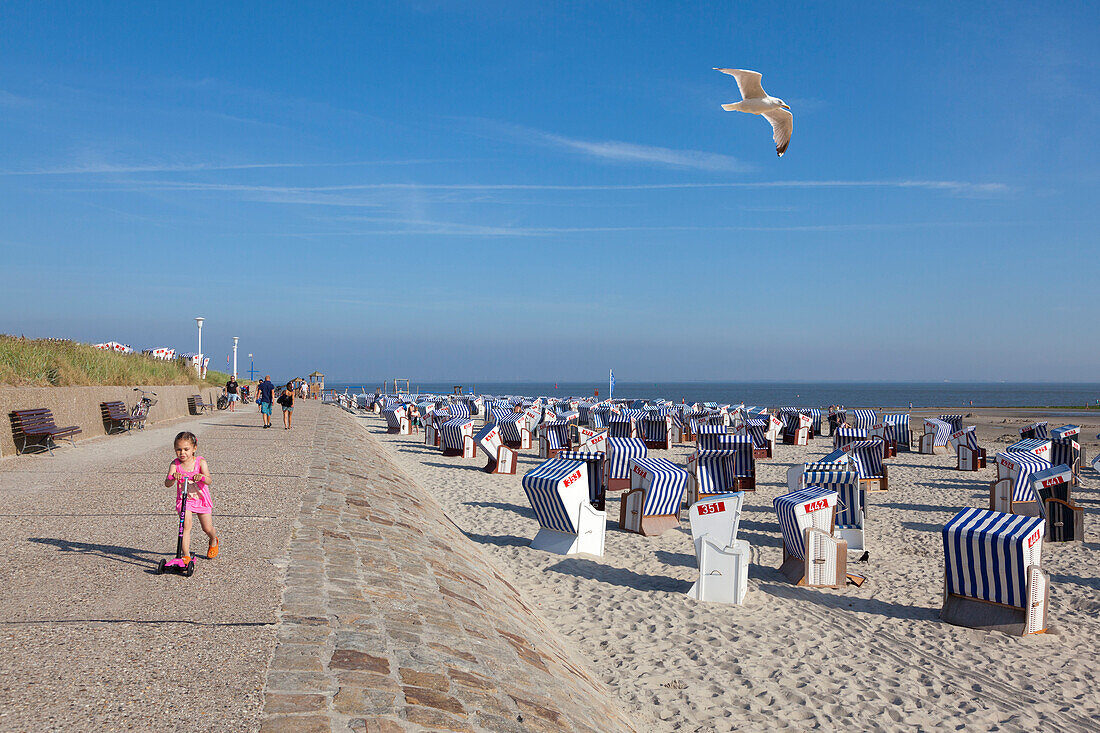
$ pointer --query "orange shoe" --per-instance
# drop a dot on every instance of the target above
(212, 551)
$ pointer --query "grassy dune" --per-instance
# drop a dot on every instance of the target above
(44, 363)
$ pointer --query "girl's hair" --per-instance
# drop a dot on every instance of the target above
(189, 437)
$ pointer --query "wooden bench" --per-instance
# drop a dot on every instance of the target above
(117, 418)
(197, 405)
(36, 428)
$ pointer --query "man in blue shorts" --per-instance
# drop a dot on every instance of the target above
(265, 392)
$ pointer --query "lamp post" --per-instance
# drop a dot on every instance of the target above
(199, 321)
(251, 369)
(235, 339)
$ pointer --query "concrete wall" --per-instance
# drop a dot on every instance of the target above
(81, 406)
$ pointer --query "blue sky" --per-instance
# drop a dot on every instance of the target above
(500, 191)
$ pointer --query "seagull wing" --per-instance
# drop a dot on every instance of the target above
(748, 82)
(782, 127)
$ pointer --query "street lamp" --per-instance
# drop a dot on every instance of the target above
(199, 321)
(235, 339)
(251, 369)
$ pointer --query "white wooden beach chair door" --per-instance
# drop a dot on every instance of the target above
(821, 557)
(635, 500)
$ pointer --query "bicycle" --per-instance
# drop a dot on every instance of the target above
(140, 411)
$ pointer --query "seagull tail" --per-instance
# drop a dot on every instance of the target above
(735, 107)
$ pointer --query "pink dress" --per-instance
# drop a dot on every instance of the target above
(197, 502)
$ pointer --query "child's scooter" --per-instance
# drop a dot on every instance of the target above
(178, 565)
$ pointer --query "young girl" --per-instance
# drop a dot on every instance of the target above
(191, 466)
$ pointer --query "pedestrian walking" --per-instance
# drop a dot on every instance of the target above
(232, 391)
(286, 401)
(265, 394)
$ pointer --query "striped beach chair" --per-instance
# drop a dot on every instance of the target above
(955, 421)
(1065, 448)
(1011, 492)
(971, 457)
(844, 435)
(554, 438)
(811, 555)
(622, 426)
(620, 452)
(458, 437)
(397, 420)
(937, 436)
(517, 428)
(502, 459)
(723, 470)
(992, 574)
(652, 505)
(723, 559)
(851, 511)
(1036, 446)
(568, 524)
(862, 419)
(796, 430)
(1065, 520)
(1034, 430)
(899, 421)
(866, 455)
(655, 429)
(597, 472)
(757, 430)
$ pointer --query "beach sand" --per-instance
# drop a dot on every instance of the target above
(871, 658)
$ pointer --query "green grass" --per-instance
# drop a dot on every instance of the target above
(50, 363)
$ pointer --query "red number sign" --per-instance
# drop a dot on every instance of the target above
(714, 508)
(813, 506)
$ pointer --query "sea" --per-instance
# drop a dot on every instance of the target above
(878, 395)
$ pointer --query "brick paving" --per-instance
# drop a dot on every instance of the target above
(392, 620)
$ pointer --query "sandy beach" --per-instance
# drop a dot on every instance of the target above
(872, 658)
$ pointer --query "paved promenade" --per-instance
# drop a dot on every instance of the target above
(92, 638)
(343, 599)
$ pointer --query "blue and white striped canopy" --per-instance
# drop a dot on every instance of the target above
(955, 421)
(653, 426)
(867, 457)
(509, 425)
(899, 421)
(1065, 431)
(393, 415)
(619, 426)
(986, 555)
(844, 435)
(1028, 445)
(790, 509)
(864, 419)
(1034, 430)
(717, 469)
(758, 431)
(850, 498)
(460, 409)
(557, 433)
(451, 432)
(1026, 464)
(594, 461)
(666, 483)
(942, 430)
(620, 451)
(543, 485)
(717, 440)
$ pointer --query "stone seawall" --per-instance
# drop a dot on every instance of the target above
(81, 406)
(393, 620)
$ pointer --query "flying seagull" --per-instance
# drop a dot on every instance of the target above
(756, 101)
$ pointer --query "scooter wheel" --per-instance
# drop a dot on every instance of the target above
(189, 570)
(160, 567)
